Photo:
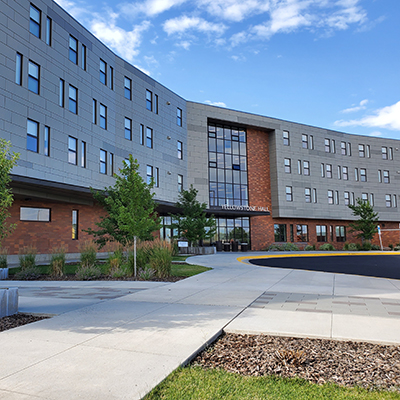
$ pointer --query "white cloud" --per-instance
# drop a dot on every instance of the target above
(375, 134)
(184, 23)
(361, 106)
(72, 8)
(150, 8)
(385, 118)
(185, 44)
(215, 103)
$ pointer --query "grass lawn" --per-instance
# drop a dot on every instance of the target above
(194, 383)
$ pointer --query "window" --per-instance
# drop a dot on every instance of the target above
(103, 161)
(74, 225)
(149, 174)
(339, 172)
(384, 153)
(46, 141)
(83, 154)
(128, 129)
(141, 134)
(73, 50)
(306, 167)
(286, 138)
(333, 146)
(343, 148)
(330, 196)
(352, 198)
(289, 193)
(361, 150)
(35, 21)
(356, 174)
(180, 183)
(368, 151)
(103, 72)
(111, 78)
(156, 177)
(371, 199)
(179, 117)
(302, 233)
(327, 146)
(328, 170)
(61, 93)
(149, 100)
(379, 176)
(111, 163)
(314, 195)
(149, 137)
(363, 175)
(49, 24)
(156, 103)
(386, 178)
(72, 150)
(103, 116)
(18, 69)
(388, 199)
(340, 233)
(32, 139)
(180, 150)
(364, 197)
(321, 233)
(345, 173)
(390, 153)
(322, 170)
(299, 167)
(73, 99)
(394, 201)
(34, 214)
(288, 167)
(83, 57)
(349, 149)
(336, 197)
(280, 232)
(33, 77)
(94, 112)
(346, 198)
(311, 142)
(304, 141)
(307, 194)
(128, 88)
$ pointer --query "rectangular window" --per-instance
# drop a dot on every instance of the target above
(328, 170)
(73, 99)
(34, 214)
(72, 150)
(289, 193)
(364, 197)
(388, 199)
(307, 194)
(103, 162)
(346, 198)
(18, 69)
(128, 88)
(363, 175)
(149, 137)
(49, 24)
(306, 167)
(386, 178)
(379, 176)
(345, 172)
(180, 183)
(349, 149)
(83, 154)
(286, 138)
(327, 146)
(361, 150)
(304, 141)
(156, 103)
(149, 174)
(339, 172)
(103, 72)
(179, 117)
(311, 142)
(94, 112)
(336, 197)
(343, 148)
(371, 199)
(333, 146)
(321, 233)
(314, 195)
(280, 232)
(288, 167)
(390, 153)
(73, 50)
(299, 167)
(156, 177)
(356, 174)
(384, 153)
(111, 163)
(180, 150)
(83, 57)
(141, 135)
(322, 170)
(394, 201)
(32, 139)
(128, 129)
(35, 21)
(352, 198)
(103, 116)
(74, 225)
(149, 100)
(111, 78)
(302, 233)
(46, 141)
(61, 93)
(291, 233)
(368, 151)
(330, 196)
(340, 233)
(33, 77)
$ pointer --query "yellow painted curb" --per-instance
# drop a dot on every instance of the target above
(287, 255)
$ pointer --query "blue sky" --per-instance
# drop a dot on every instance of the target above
(329, 63)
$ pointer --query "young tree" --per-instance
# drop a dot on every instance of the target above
(367, 223)
(130, 208)
(7, 162)
(193, 224)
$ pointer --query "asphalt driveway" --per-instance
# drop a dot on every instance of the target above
(381, 266)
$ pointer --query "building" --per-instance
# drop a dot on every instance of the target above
(74, 111)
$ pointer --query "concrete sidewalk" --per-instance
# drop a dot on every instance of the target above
(117, 340)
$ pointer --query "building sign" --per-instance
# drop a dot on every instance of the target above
(244, 208)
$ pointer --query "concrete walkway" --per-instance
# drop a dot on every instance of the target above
(117, 340)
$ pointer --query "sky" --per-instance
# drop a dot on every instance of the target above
(333, 64)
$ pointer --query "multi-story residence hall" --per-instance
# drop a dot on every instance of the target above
(74, 111)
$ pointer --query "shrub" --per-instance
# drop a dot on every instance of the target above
(118, 268)
(87, 272)
(390, 246)
(396, 248)
(350, 247)
(366, 246)
(290, 247)
(275, 247)
(146, 273)
(27, 257)
(375, 247)
(88, 250)
(160, 261)
(327, 247)
(57, 262)
(309, 247)
(28, 273)
(3, 257)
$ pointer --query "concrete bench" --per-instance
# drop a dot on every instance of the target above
(8, 301)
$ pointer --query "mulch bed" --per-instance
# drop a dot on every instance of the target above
(316, 360)
(46, 277)
(16, 320)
